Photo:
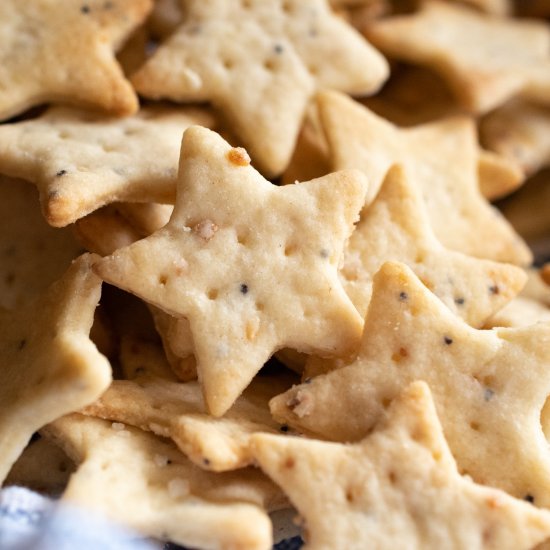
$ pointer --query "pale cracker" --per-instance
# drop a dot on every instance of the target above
(49, 365)
(286, 238)
(52, 51)
(154, 402)
(395, 227)
(33, 254)
(80, 161)
(146, 483)
(397, 488)
(489, 387)
(441, 158)
(259, 63)
(485, 59)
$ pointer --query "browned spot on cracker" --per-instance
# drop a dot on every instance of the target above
(301, 404)
(238, 156)
(205, 229)
(400, 355)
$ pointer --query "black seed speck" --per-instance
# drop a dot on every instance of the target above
(459, 301)
(447, 340)
(243, 288)
(307, 381)
(206, 461)
(168, 462)
(85, 9)
(403, 296)
(488, 394)
(284, 428)
(61, 173)
(493, 289)
(529, 498)
(324, 253)
(278, 49)
(22, 344)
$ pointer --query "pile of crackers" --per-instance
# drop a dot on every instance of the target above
(252, 268)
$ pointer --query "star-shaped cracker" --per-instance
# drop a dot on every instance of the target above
(152, 400)
(485, 59)
(397, 488)
(442, 161)
(55, 51)
(146, 483)
(49, 366)
(277, 285)
(80, 161)
(396, 227)
(520, 131)
(259, 63)
(489, 387)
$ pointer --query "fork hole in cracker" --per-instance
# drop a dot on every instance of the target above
(290, 249)
(212, 294)
(269, 65)
(242, 238)
(475, 426)
(286, 6)
(228, 64)
(163, 279)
